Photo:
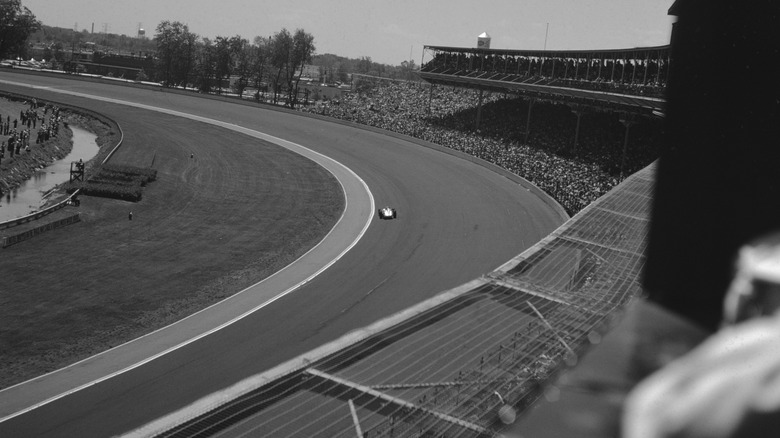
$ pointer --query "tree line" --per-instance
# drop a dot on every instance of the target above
(273, 63)
(175, 56)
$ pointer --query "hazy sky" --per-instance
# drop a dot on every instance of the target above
(387, 31)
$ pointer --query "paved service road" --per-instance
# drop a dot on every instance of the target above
(456, 221)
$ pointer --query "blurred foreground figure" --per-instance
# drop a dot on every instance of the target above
(718, 182)
(729, 386)
(718, 188)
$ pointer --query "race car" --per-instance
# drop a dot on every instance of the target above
(387, 213)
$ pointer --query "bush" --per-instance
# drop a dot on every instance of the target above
(118, 171)
(103, 190)
(116, 182)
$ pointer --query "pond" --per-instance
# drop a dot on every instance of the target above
(30, 195)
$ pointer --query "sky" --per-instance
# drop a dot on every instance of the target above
(388, 32)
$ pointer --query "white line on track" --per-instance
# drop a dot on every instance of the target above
(257, 134)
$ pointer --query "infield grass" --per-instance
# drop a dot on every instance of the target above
(226, 211)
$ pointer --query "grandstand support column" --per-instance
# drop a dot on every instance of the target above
(601, 63)
(528, 119)
(623, 70)
(479, 107)
(668, 61)
(614, 63)
(627, 121)
(587, 69)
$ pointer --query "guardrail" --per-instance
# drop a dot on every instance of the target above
(48, 210)
(38, 214)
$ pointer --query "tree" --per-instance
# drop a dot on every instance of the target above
(58, 52)
(17, 23)
(259, 60)
(406, 70)
(207, 66)
(364, 65)
(280, 52)
(227, 54)
(175, 46)
(302, 51)
(186, 67)
(289, 54)
(222, 60)
(341, 73)
(243, 54)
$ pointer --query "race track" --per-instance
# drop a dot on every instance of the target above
(457, 220)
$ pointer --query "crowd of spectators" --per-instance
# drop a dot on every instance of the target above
(628, 73)
(575, 177)
(17, 134)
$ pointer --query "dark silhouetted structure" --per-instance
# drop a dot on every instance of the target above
(717, 183)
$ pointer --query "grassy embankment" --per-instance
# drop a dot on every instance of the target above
(19, 168)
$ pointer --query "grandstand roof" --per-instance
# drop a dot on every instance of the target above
(556, 53)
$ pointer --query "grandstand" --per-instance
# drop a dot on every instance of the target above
(631, 80)
(575, 157)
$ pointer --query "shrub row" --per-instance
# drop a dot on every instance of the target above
(116, 182)
(113, 191)
(127, 173)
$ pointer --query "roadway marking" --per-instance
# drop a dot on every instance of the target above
(294, 147)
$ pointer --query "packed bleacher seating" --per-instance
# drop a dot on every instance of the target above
(575, 177)
(632, 71)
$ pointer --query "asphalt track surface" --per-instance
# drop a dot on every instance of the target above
(457, 220)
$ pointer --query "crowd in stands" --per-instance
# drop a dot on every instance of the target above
(575, 177)
(17, 133)
(608, 72)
